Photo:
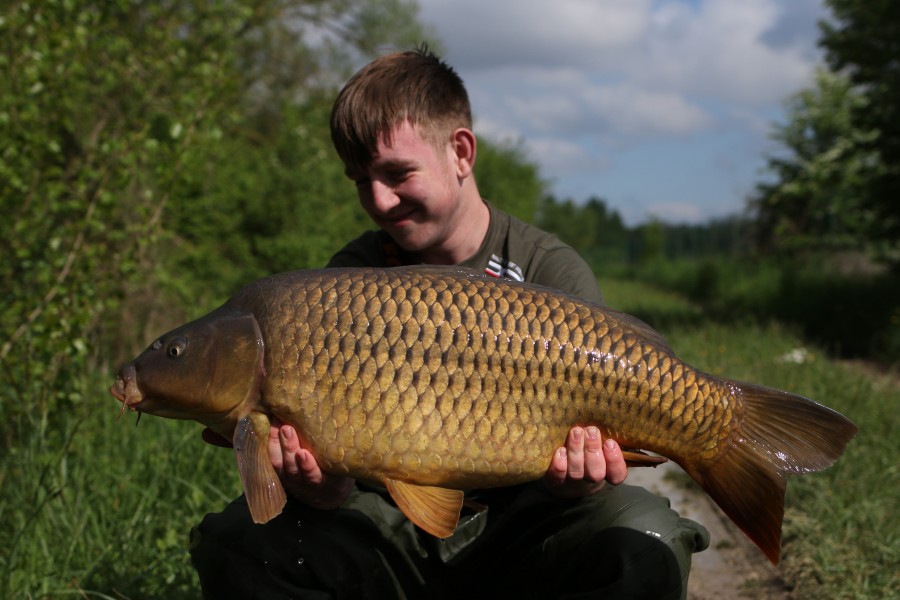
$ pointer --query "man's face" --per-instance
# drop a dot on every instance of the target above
(411, 189)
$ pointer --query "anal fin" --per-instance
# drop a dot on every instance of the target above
(636, 458)
(434, 509)
(262, 488)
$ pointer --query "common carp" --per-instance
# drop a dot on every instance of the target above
(433, 380)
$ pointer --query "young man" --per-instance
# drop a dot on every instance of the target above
(402, 127)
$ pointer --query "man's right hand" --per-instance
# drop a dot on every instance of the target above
(300, 474)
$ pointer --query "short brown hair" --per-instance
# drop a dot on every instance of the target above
(414, 86)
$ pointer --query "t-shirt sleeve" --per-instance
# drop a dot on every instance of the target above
(562, 268)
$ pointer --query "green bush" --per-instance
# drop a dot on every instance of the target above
(852, 314)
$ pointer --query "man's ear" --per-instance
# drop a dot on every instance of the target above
(463, 145)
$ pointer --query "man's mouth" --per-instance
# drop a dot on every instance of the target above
(399, 218)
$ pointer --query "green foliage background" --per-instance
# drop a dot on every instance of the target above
(158, 155)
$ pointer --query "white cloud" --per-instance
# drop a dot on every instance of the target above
(719, 51)
(536, 32)
(632, 111)
(564, 102)
(579, 82)
(560, 157)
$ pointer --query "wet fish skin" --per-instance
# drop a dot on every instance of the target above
(461, 380)
(436, 379)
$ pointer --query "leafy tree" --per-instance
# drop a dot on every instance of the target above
(99, 105)
(863, 42)
(836, 181)
(819, 195)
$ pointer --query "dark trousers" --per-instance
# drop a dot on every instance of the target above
(623, 542)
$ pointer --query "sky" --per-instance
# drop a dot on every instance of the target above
(662, 108)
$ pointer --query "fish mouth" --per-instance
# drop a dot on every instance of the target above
(126, 389)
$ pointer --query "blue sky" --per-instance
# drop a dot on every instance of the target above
(664, 108)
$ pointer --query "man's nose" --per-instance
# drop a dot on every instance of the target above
(383, 197)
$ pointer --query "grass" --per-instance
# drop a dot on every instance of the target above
(92, 507)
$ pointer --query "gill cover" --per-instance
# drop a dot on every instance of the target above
(205, 369)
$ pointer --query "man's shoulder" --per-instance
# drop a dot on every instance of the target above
(530, 234)
(527, 243)
(523, 251)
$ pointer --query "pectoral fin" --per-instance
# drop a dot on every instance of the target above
(434, 509)
(264, 492)
(636, 458)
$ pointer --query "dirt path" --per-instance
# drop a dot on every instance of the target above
(732, 566)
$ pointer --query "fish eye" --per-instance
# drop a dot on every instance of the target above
(176, 348)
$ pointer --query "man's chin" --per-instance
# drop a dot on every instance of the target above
(407, 238)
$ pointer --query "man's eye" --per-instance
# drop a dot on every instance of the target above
(398, 176)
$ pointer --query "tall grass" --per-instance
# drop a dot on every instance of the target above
(94, 507)
(841, 533)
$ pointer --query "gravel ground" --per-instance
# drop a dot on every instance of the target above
(732, 566)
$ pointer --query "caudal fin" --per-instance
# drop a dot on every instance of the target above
(779, 433)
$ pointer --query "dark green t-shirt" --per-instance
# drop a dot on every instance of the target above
(511, 249)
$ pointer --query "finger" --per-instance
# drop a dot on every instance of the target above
(595, 465)
(290, 450)
(616, 469)
(575, 453)
(275, 454)
(308, 468)
(556, 474)
(290, 441)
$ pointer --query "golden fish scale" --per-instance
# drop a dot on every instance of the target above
(468, 382)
